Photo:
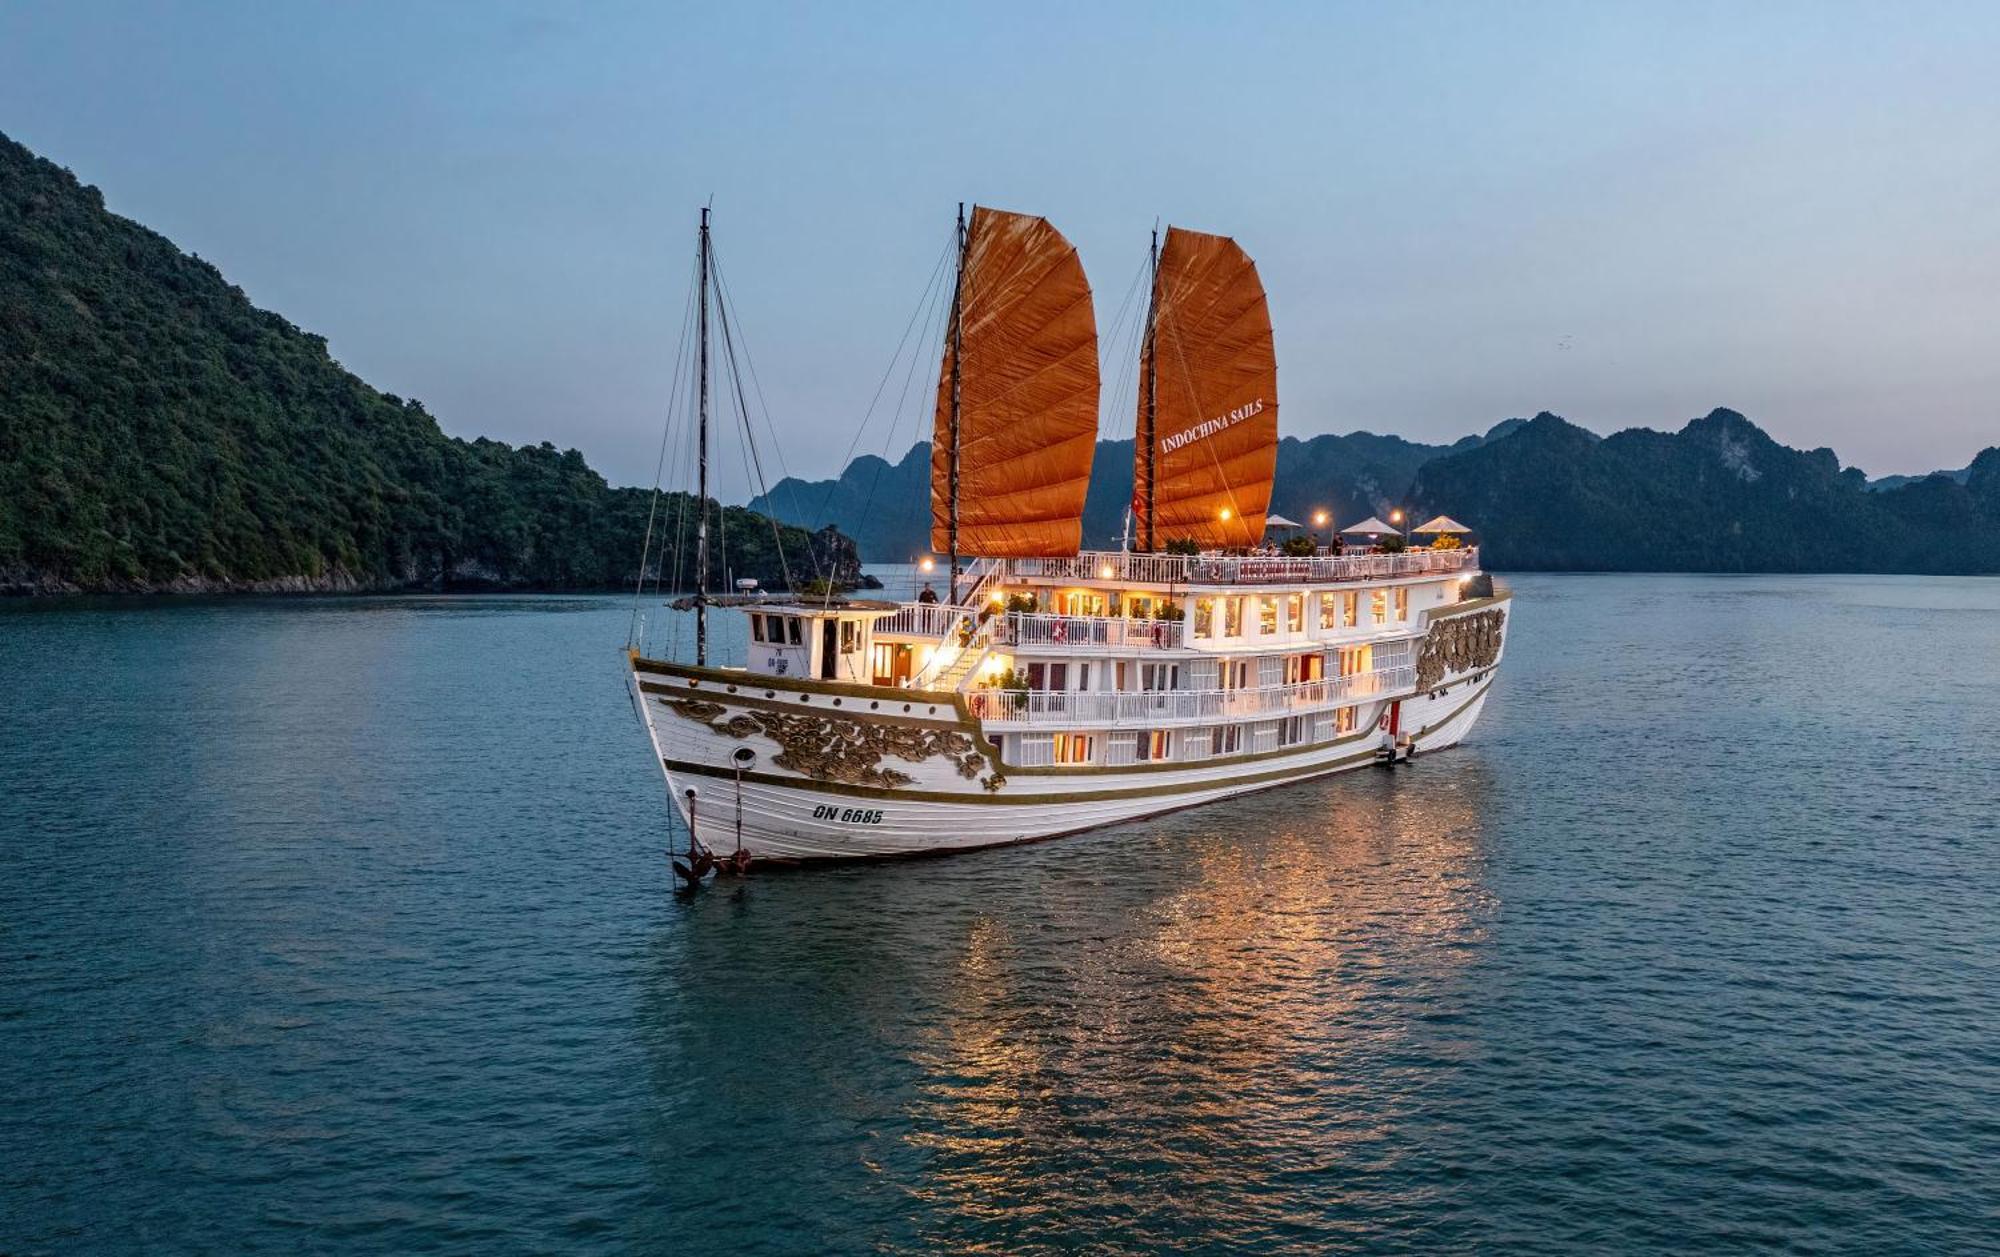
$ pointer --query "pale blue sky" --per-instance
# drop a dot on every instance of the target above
(1625, 213)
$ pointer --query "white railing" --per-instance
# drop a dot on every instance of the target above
(1251, 569)
(1071, 632)
(1145, 708)
(922, 619)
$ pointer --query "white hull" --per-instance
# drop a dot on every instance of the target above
(954, 794)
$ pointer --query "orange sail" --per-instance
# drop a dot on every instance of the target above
(1022, 354)
(1208, 399)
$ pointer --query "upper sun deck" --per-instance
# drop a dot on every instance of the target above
(1166, 571)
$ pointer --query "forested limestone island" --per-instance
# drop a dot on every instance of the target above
(160, 433)
(1543, 494)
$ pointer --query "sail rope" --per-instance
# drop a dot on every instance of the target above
(748, 452)
(632, 630)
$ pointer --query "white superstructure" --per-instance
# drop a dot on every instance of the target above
(1064, 694)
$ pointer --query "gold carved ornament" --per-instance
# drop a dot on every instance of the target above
(829, 749)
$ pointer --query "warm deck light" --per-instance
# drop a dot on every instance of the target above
(1226, 513)
(926, 563)
(998, 597)
(1104, 571)
(1395, 517)
(1319, 519)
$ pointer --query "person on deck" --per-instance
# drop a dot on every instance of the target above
(929, 595)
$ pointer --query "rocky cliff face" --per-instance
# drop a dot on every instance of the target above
(1719, 495)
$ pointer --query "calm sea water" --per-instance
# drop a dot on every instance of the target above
(345, 926)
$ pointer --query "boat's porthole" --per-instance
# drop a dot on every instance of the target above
(836, 702)
(732, 689)
(805, 698)
(906, 707)
(770, 693)
(873, 706)
(931, 710)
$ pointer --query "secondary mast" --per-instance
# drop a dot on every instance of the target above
(1152, 386)
(957, 355)
(701, 483)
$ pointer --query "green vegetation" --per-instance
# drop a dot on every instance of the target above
(157, 431)
(1718, 496)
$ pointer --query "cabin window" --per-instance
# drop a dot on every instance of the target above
(795, 629)
(1300, 668)
(1402, 603)
(1225, 740)
(1204, 617)
(850, 637)
(1356, 659)
(1159, 676)
(1350, 609)
(1378, 606)
(1232, 617)
(1235, 674)
(1328, 611)
(1267, 616)
(1048, 676)
(1074, 748)
(1343, 720)
(1295, 613)
(1153, 744)
(756, 628)
(1291, 731)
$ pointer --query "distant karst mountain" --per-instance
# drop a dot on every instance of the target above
(1719, 495)
(159, 432)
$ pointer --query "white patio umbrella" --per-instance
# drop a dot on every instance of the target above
(1442, 524)
(1279, 521)
(1371, 526)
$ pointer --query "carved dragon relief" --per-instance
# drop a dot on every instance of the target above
(1460, 644)
(829, 749)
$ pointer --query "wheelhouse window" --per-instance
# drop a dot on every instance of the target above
(756, 628)
(850, 637)
(795, 630)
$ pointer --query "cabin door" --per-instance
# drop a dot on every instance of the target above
(829, 650)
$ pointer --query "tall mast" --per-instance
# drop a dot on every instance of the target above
(701, 485)
(1152, 388)
(951, 458)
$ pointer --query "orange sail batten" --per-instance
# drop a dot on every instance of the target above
(1208, 398)
(1023, 356)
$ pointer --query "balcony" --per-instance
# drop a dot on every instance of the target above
(1150, 708)
(1120, 567)
(1072, 632)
